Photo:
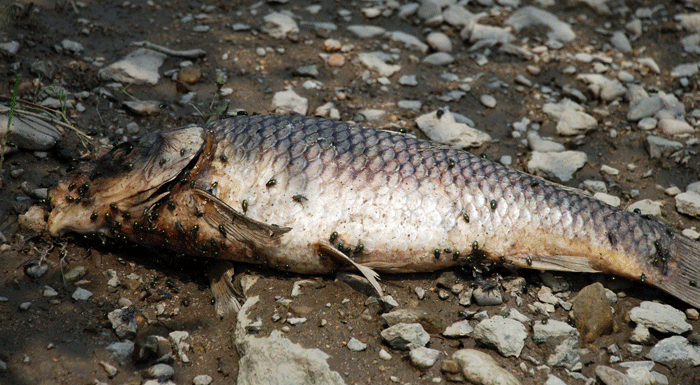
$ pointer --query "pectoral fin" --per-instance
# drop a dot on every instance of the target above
(221, 279)
(231, 223)
(371, 275)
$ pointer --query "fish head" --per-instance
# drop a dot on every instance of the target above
(128, 179)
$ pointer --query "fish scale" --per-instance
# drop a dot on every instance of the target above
(395, 198)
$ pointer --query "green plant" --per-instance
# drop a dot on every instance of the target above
(3, 140)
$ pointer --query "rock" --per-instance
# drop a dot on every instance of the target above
(30, 133)
(384, 355)
(356, 345)
(488, 101)
(559, 165)
(684, 70)
(414, 105)
(289, 102)
(428, 9)
(662, 318)
(620, 42)
(439, 59)
(121, 349)
(143, 107)
(610, 376)
(75, 273)
(675, 351)
(306, 71)
(646, 207)
(487, 297)
(372, 114)
(279, 25)
(377, 61)
(336, 60)
(458, 16)
(688, 203)
(160, 372)
(177, 339)
(644, 107)
(148, 348)
(81, 294)
(202, 379)
(538, 144)
(408, 40)
(530, 16)
(506, 335)
(72, 46)
(405, 336)
(33, 220)
(408, 80)
(480, 369)
(649, 63)
(139, 67)
(659, 147)
(49, 292)
(332, 45)
(640, 334)
(554, 110)
(424, 358)
(189, 75)
(545, 295)
(592, 312)
(572, 122)
(439, 42)
(441, 126)
(123, 322)
(554, 380)
(607, 198)
(10, 48)
(109, 369)
(458, 329)
(561, 341)
(366, 31)
(411, 315)
(675, 127)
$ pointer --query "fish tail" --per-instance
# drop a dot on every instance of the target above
(685, 283)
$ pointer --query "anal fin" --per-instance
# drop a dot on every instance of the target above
(371, 275)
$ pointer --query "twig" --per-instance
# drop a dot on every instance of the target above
(192, 53)
(54, 121)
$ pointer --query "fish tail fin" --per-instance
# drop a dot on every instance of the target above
(685, 284)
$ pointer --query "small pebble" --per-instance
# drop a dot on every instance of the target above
(488, 101)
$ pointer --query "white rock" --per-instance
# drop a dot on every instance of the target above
(202, 379)
(441, 126)
(109, 369)
(688, 203)
(458, 16)
(675, 127)
(538, 144)
(10, 48)
(439, 59)
(479, 368)
(488, 101)
(607, 198)
(619, 40)
(409, 41)
(139, 67)
(649, 63)
(439, 42)
(486, 35)
(647, 124)
(684, 70)
(561, 341)
(605, 169)
(659, 147)
(366, 31)
(384, 355)
(663, 318)
(458, 329)
(160, 372)
(506, 335)
(279, 25)
(177, 339)
(644, 107)
(424, 358)
(529, 16)
(377, 61)
(72, 46)
(372, 114)
(121, 349)
(690, 21)
(559, 165)
(356, 345)
(49, 292)
(414, 105)
(572, 122)
(81, 294)
(673, 351)
(405, 336)
(554, 110)
(646, 207)
(289, 102)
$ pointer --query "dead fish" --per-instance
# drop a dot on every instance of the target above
(312, 195)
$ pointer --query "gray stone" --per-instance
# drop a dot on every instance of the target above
(408, 80)
(561, 341)
(405, 336)
(159, 371)
(356, 345)
(488, 297)
(488, 101)
(121, 349)
(366, 31)
(409, 41)
(607, 198)
(439, 59)
(660, 317)
(554, 110)
(559, 165)
(688, 203)
(279, 25)
(659, 147)
(572, 122)
(647, 207)
(684, 70)
(307, 71)
(647, 124)
(424, 358)
(377, 61)
(506, 335)
(441, 126)
(644, 107)
(458, 16)
(123, 322)
(530, 16)
(414, 105)
(439, 42)
(43, 68)
(458, 329)
(428, 9)
(541, 145)
(675, 351)
(410, 315)
(73, 46)
(202, 379)
(81, 294)
(554, 380)
(610, 376)
(289, 103)
(177, 339)
(479, 368)
(139, 67)
(675, 127)
(372, 114)
(620, 41)
(109, 369)
(30, 133)
(10, 48)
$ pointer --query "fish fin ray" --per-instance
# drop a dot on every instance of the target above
(687, 262)
(371, 275)
(562, 263)
(221, 281)
(242, 228)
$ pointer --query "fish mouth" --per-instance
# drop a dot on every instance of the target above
(121, 183)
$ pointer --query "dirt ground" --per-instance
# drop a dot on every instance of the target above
(61, 341)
